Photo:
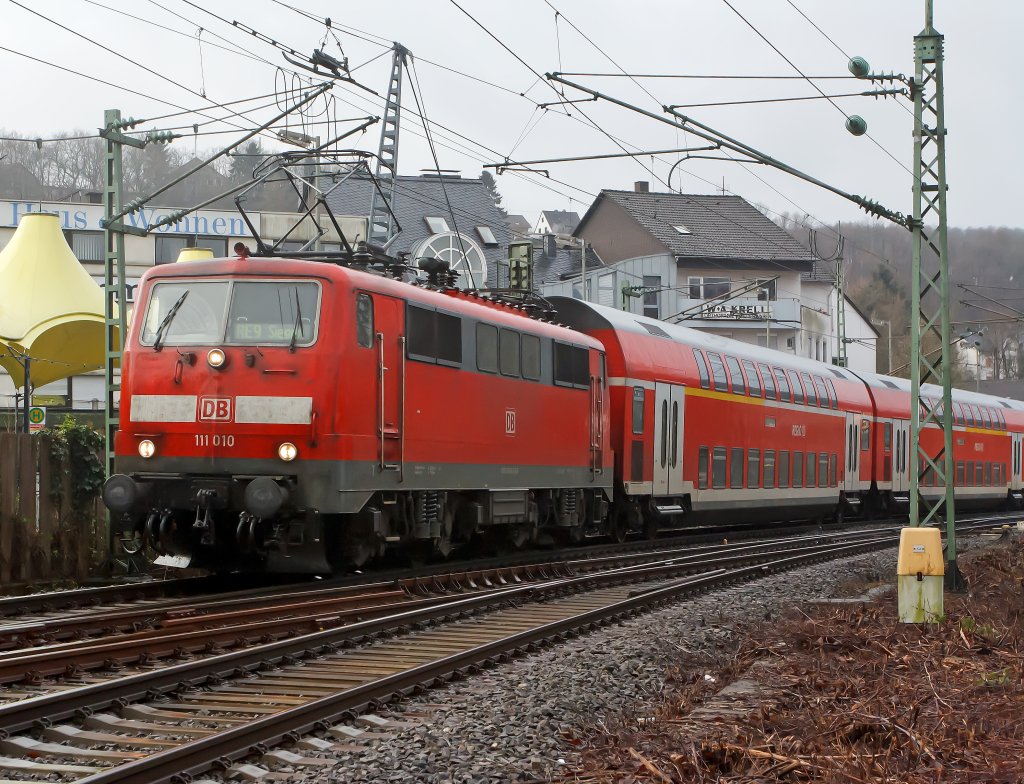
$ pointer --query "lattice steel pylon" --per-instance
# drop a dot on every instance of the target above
(930, 292)
(381, 220)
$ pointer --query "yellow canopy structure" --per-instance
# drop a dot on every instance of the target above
(51, 310)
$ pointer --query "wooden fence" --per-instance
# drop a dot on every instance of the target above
(43, 536)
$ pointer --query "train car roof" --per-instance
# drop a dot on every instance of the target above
(588, 315)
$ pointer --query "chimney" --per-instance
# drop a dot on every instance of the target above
(550, 247)
(642, 186)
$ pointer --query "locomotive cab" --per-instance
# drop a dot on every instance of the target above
(222, 374)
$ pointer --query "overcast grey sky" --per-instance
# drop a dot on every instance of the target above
(983, 107)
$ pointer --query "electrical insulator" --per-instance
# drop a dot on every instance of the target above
(859, 67)
(856, 125)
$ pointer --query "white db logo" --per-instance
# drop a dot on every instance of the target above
(215, 409)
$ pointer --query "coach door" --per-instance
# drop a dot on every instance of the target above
(900, 456)
(852, 465)
(389, 337)
(1016, 459)
(668, 439)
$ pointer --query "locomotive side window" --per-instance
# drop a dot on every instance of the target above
(753, 468)
(718, 461)
(718, 372)
(783, 384)
(798, 391)
(449, 338)
(769, 382)
(702, 468)
(702, 369)
(752, 380)
(531, 357)
(783, 465)
(419, 328)
(364, 320)
(798, 469)
(508, 352)
(738, 385)
(571, 366)
(487, 348)
(769, 468)
(433, 336)
(638, 411)
(736, 467)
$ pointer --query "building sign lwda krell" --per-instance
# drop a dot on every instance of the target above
(727, 310)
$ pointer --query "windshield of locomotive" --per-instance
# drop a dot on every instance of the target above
(264, 312)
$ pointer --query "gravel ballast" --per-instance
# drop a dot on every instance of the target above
(519, 721)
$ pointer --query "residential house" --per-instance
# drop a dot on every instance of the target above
(559, 222)
(715, 262)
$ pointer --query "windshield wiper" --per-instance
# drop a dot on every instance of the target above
(298, 324)
(167, 321)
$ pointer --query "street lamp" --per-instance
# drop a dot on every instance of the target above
(888, 325)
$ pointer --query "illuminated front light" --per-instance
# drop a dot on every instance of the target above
(216, 358)
(147, 448)
(287, 452)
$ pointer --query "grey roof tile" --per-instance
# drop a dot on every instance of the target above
(720, 227)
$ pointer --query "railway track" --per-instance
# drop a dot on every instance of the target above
(185, 718)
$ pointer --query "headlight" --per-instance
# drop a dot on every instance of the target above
(287, 452)
(147, 448)
(216, 358)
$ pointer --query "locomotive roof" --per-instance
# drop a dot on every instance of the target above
(466, 303)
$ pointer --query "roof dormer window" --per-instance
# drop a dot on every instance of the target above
(436, 225)
(682, 229)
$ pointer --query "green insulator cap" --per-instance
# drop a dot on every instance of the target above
(859, 67)
(856, 125)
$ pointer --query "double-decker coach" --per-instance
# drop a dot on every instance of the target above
(710, 429)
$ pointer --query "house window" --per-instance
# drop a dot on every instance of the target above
(766, 290)
(86, 245)
(652, 296)
(606, 290)
(709, 288)
(168, 248)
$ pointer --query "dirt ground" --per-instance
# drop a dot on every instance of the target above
(841, 692)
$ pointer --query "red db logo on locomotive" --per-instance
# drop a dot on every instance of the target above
(215, 409)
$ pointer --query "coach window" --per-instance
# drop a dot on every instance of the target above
(531, 357)
(487, 348)
(812, 396)
(977, 415)
(769, 382)
(702, 468)
(988, 473)
(638, 410)
(753, 468)
(364, 320)
(887, 436)
(736, 467)
(769, 468)
(986, 420)
(508, 352)
(718, 460)
(718, 372)
(823, 469)
(960, 473)
(752, 380)
(783, 384)
(970, 473)
(798, 391)
(832, 393)
(833, 464)
(823, 398)
(702, 369)
(865, 435)
(812, 460)
(979, 474)
(798, 469)
(739, 387)
(783, 466)
(958, 414)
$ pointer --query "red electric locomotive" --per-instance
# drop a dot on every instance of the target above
(304, 416)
